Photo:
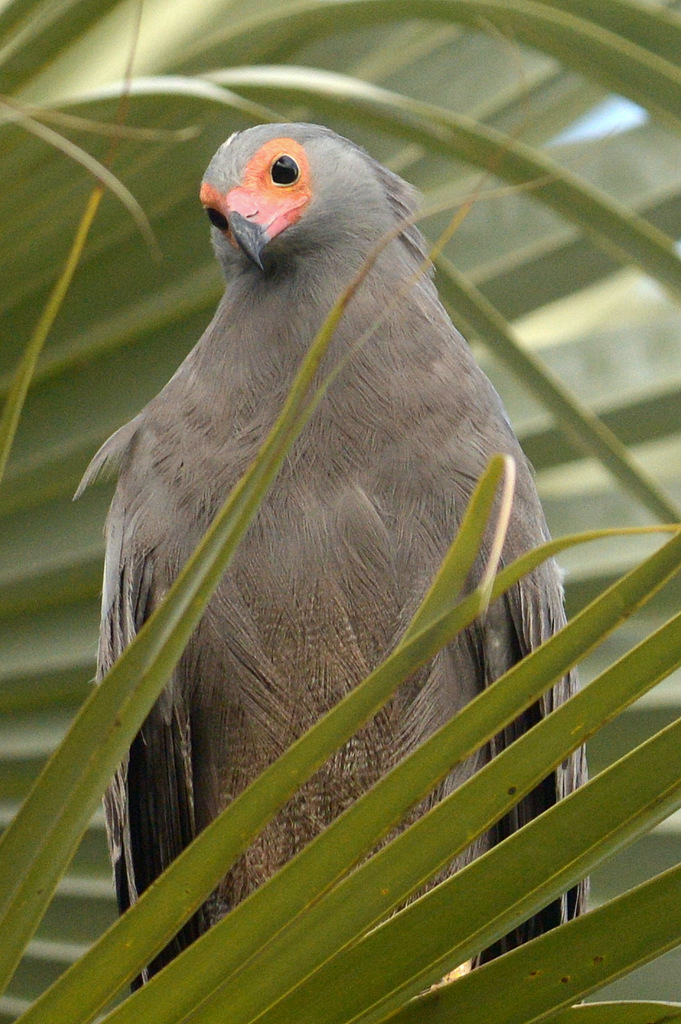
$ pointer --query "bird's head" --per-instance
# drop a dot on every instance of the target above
(278, 194)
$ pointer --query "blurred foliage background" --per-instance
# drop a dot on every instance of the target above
(425, 87)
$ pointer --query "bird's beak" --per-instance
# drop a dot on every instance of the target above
(238, 215)
(252, 216)
(249, 235)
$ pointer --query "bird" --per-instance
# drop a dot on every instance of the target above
(345, 544)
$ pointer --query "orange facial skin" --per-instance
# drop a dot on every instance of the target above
(261, 200)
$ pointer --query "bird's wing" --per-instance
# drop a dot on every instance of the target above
(149, 805)
(108, 459)
(527, 616)
(519, 622)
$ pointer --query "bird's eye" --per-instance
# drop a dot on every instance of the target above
(217, 219)
(284, 170)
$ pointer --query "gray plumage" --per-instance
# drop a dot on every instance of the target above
(341, 551)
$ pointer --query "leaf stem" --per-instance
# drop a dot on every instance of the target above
(22, 379)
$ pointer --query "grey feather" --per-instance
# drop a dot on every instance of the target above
(341, 551)
(107, 462)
